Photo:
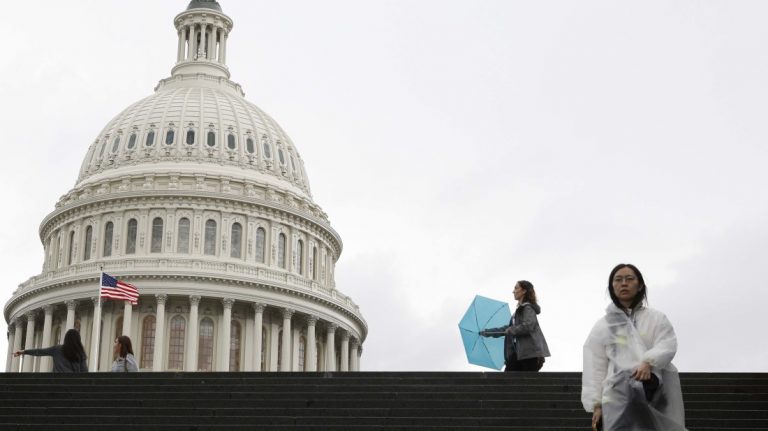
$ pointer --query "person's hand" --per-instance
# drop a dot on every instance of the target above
(18, 353)
(508, 331)
(483, 333)
(643, 372)
(596, 416)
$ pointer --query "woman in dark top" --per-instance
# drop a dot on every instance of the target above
(524, 345)
(67, 358)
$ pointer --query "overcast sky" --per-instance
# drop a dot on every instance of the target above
(457, 146)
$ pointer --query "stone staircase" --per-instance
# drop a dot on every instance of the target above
(346, 401)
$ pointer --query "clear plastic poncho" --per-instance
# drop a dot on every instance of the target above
(616, 346)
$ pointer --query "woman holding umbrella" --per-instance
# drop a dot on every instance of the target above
(524, 345)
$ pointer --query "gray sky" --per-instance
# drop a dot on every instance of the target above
(457, 146)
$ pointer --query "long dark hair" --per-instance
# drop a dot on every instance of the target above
(73, 348)
(125, 346)
(530, 294)
(641, 296)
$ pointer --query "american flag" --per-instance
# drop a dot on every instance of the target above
(112, 288)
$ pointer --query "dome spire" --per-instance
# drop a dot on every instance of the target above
(203, 31)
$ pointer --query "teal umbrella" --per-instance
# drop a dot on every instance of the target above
(484, 313)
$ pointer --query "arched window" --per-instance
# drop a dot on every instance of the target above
(150, 139)
(210, 238)
(280, 350)
(263, 349)
(205, 345)
(178, 329)
(314, 263)
(157, 235)
(87, 244)
(234, 346)
(169, 135)
(293, 166)
(183, 245)
(261, 237)
(103, 147)
(267, 149)
(108, 232)
(236, 242)
(132, 141)
(281, 250)
(302, 352)
(300, 257)
(148, 341)
(231, 142)
(190, 137)
(71, 247)
(130, 240)
(211, 138)
(116, 144)
(281, 156)
(249, 146)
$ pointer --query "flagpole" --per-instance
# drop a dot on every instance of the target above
(96, 338)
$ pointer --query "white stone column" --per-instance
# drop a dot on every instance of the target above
(157, 358)
(273, 342)
(358, 355)
(71, 306)
(45, 361)
(180, 51)
(127, 315)
(93, 356)
(203, 40)
(310, 364)
(345, 351)
(212, 44)
(226, 334)
(224, 37)
(29, 343)
(330, 347)
(192, 55)
(258, 323)
(353, 355)
(17, 345)
(11, 342)
(191, 353)
(220, 56)
(285, 354)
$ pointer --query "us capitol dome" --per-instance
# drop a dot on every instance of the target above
(201, 200)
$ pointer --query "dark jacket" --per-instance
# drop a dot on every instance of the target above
(525, 331)
(60, 362)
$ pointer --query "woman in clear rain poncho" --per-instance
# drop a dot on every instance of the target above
(629, 382)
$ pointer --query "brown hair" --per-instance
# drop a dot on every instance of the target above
(125, 346)
(530, 294)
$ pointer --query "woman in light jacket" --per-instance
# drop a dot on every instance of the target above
(124, 359)
(524, 345)
(629, 382)
(68, 357)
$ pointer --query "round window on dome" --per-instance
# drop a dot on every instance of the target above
(190, 137)
(150, 139)
(211, 139)
(116, 144)
(231, 142)
(132, 141)
(169, 135)
(249, 146)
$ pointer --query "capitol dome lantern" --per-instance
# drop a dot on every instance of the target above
(200, 199)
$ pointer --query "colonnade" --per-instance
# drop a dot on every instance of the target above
(166, 328)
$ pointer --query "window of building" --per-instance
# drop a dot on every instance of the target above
(231, 142)
(103, 147)
(130, 240)
(249, 146)
(156, 245)
(87, 244)
(205, 345)
(211, 138)
(148, 341)
(300, 257)
(280, 350)
(183, 245)
(190, 137)
(281, 156)
(293, 166)
(235, 341)
(116, 144)
(318, 349)
(178, 329)
(261, 237)
(71, 247)
(132, 141)
(150, 139)
(169, 135)
(108, 232)
(267, 149)
(302, 352)
(236, 242)
(281, 250)
(263, 349)
(210, 238)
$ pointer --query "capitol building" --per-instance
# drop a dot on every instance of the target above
(201, 200)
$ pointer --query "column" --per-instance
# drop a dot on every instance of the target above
(285, 354)
(45, 361)
(224, 37)
(11, 342)
(157, 358)
(127, 314)
(191, 354)
(353, 355)
(16, 345)
(220, 57)
(203, 40)
(358, 355)
(93, 356)
(258, 322)
(29, 342)
(71, 306)
(330, 347)
(212, 43)
(345, 351)
(311, 363)
(180, 51)
(226, 334)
